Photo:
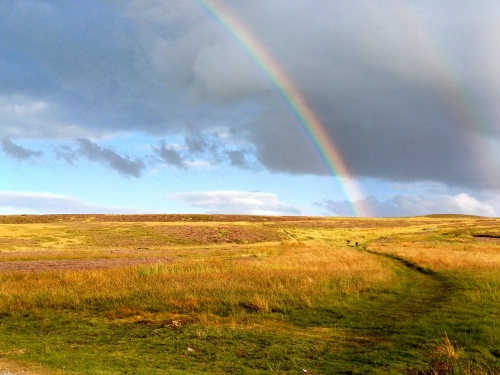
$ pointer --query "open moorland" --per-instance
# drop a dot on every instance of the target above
(217, 294)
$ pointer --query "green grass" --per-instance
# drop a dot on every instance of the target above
(410, 299)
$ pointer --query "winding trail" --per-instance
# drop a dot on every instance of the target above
(404, 323)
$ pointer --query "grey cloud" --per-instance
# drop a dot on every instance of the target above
(195, 140)
(189, 50)
(66, 153)
(238, 158)
(110, 158)
(385, 94)
(225, 73)
(114, 66)
(170, 155)
(31, 117)
(18, 152)
(207, 146)
(404, 94)
(282, 145)
(87, 57)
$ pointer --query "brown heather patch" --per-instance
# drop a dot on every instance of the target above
(76, 264)
(221, 233)
(157, 236)
(152, 218)
(114, 235)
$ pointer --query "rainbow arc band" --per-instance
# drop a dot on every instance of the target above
(293, 100)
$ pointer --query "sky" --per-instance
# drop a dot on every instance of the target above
(327, 107)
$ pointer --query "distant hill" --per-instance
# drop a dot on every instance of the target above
(451, 216)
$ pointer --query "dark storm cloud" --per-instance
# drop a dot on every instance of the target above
(283, 146)
(407, 90)
(18, 152)
(85, 57)
(387, 98)
(396, 88)
(110, 158)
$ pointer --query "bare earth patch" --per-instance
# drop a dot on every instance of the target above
(15, 368)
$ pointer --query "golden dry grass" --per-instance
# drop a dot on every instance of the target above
(461, 254)
(316, 259)
(265, 278)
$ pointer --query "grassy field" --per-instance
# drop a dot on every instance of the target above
(193, 294)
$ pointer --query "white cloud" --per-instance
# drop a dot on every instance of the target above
(460, 203)
(199, 164)
(48, 203)
(422, 204)
(237, 202)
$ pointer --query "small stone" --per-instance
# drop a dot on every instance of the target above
(174, 324)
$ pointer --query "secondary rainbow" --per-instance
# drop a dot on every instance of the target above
(465, 113)
(292, 98)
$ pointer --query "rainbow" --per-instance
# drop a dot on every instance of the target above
(293, 100)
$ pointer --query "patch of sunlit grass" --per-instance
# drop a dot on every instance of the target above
(288, 277)
(439, 256)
